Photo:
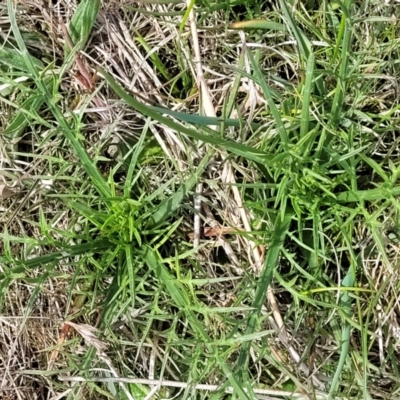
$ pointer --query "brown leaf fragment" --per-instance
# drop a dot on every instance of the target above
(6, 192)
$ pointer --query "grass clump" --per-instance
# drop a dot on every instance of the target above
(207, 207)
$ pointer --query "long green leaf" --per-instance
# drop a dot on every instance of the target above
(23, 116)
(20, 120)
(303, 42)
(267, 93)
(345, 303)
(281, 228)
(368, 195)
(340, 90)
(68, 251)
(201, 119)
(164, 210)
(259, 24)
(239, 149)
(305, 112)
(14, 59)
(137, 149)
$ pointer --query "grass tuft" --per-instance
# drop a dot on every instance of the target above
(150, 251)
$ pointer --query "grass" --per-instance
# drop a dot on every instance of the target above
(199, 201)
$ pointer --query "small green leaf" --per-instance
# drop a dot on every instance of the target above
(376, 167)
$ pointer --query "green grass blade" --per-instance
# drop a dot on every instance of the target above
(345, 305)
(14, 59)
(133, 161)
(281, 228)
(233, 95)
(29, 108)
(164, 210)
(337, 104)
(267, 93)
(380, 193)
(303, 43)
(201, 119)
(259, 24)
(239, 149)
(82, 23)
(35, 293)
(68, 251)
(305, 111)
(376, 167)
(17, 125)
(130, 269)
(159, 65)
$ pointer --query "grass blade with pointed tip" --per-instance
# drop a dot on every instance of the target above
(303, 42)
(338, 100)
(133, 161)
(236, 148)
(17, 125)
(164, 210)
(259, 24)
(305, 111)
(82, 23)
(68, 251)
(25, 113)
(267, 93)
(201, 119)
(379, 193)
(345, 304)
(281, 228)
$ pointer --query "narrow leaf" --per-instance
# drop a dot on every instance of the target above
(303, 42)
(236, 148)
(267, 93)
(271, 262)
(259, 24)
(305, 112)
(69, 251)
(203, 120)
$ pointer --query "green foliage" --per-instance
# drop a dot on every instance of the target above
(322, 198)
(82, 22)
